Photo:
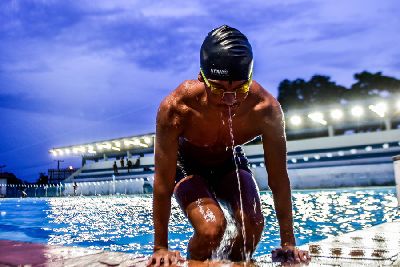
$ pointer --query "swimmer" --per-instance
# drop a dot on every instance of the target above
(194, 155)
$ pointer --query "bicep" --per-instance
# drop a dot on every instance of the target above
(166, 149)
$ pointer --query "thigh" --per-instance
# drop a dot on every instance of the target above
(227, 189)
(198, 202)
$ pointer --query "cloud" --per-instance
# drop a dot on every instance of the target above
(85, 70)
(27, 136)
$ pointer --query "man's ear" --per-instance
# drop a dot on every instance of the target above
(200, 78)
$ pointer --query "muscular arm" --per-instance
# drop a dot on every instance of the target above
(166, 147)
(274, 144)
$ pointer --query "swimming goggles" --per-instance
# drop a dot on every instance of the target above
(243, 89)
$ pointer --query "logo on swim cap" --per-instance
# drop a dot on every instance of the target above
(219, 72)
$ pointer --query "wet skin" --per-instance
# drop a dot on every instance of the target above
(192, 112)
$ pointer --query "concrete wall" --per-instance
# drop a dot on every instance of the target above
(126, 187)
(330, 177)
(333, 142)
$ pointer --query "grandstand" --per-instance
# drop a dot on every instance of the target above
(343, 144)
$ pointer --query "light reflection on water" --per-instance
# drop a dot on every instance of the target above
(124, 223)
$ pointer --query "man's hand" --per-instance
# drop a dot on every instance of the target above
(164, 257)
(290, 254)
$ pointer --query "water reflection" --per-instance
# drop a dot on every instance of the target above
(124, 223)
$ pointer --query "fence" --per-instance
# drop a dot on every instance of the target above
(113, 187)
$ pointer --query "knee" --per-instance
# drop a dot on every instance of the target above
(212, 232)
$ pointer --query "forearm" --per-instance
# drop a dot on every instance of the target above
(161, 214)
(283, 208)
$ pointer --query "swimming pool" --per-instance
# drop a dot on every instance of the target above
(123, 223)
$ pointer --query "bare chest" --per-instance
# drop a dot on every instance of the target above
(219, 131)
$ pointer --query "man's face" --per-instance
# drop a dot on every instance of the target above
(226, 93)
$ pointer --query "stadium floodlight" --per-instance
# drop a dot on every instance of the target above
(91, 149)
(117, 143)
(357, 111)
(136, 142)
(385, 145)
(53, 153)
(336, 114)
(106, 145)
(99, 147)
(379, 109)
(317, 157)
(128, 143)
(80, 149)
(368, 148)
(67, 151)
(398, 105)
(341, 153)
(60, 152)
(305, 158)
(147, 140)
(296, 120)
(317, 117)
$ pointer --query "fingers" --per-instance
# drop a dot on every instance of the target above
(178, 256)
(169, 259)
(149, 262)
(165, 260)
(290, 256)
(158, 261)
(302, 256)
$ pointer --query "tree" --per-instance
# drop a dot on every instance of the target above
(302, 94)
(321, 90)
(11, 178)
(43, 179)
(290, 93)
(373, 84)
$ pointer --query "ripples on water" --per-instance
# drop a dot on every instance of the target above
(124, 223)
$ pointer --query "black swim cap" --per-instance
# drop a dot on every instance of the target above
(226, 55)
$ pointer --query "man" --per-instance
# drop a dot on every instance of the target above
(129, 164)
(122, 161)
(115, 168)
(195, 127)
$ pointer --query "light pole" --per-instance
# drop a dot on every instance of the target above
(58, 168)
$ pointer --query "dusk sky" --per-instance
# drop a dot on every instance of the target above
(73, 72)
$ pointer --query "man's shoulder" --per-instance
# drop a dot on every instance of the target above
(182, 95)
(176, 105)
(266, 103)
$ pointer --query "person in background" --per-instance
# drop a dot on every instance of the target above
(129, 164)
(115, 168)
(75, 188)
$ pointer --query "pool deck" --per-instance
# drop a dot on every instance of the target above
(375, 246)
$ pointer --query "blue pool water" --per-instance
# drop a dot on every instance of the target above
(123, 223)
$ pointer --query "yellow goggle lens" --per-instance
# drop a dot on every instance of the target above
(241, 90)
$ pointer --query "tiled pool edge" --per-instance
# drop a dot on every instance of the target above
(378, 245)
